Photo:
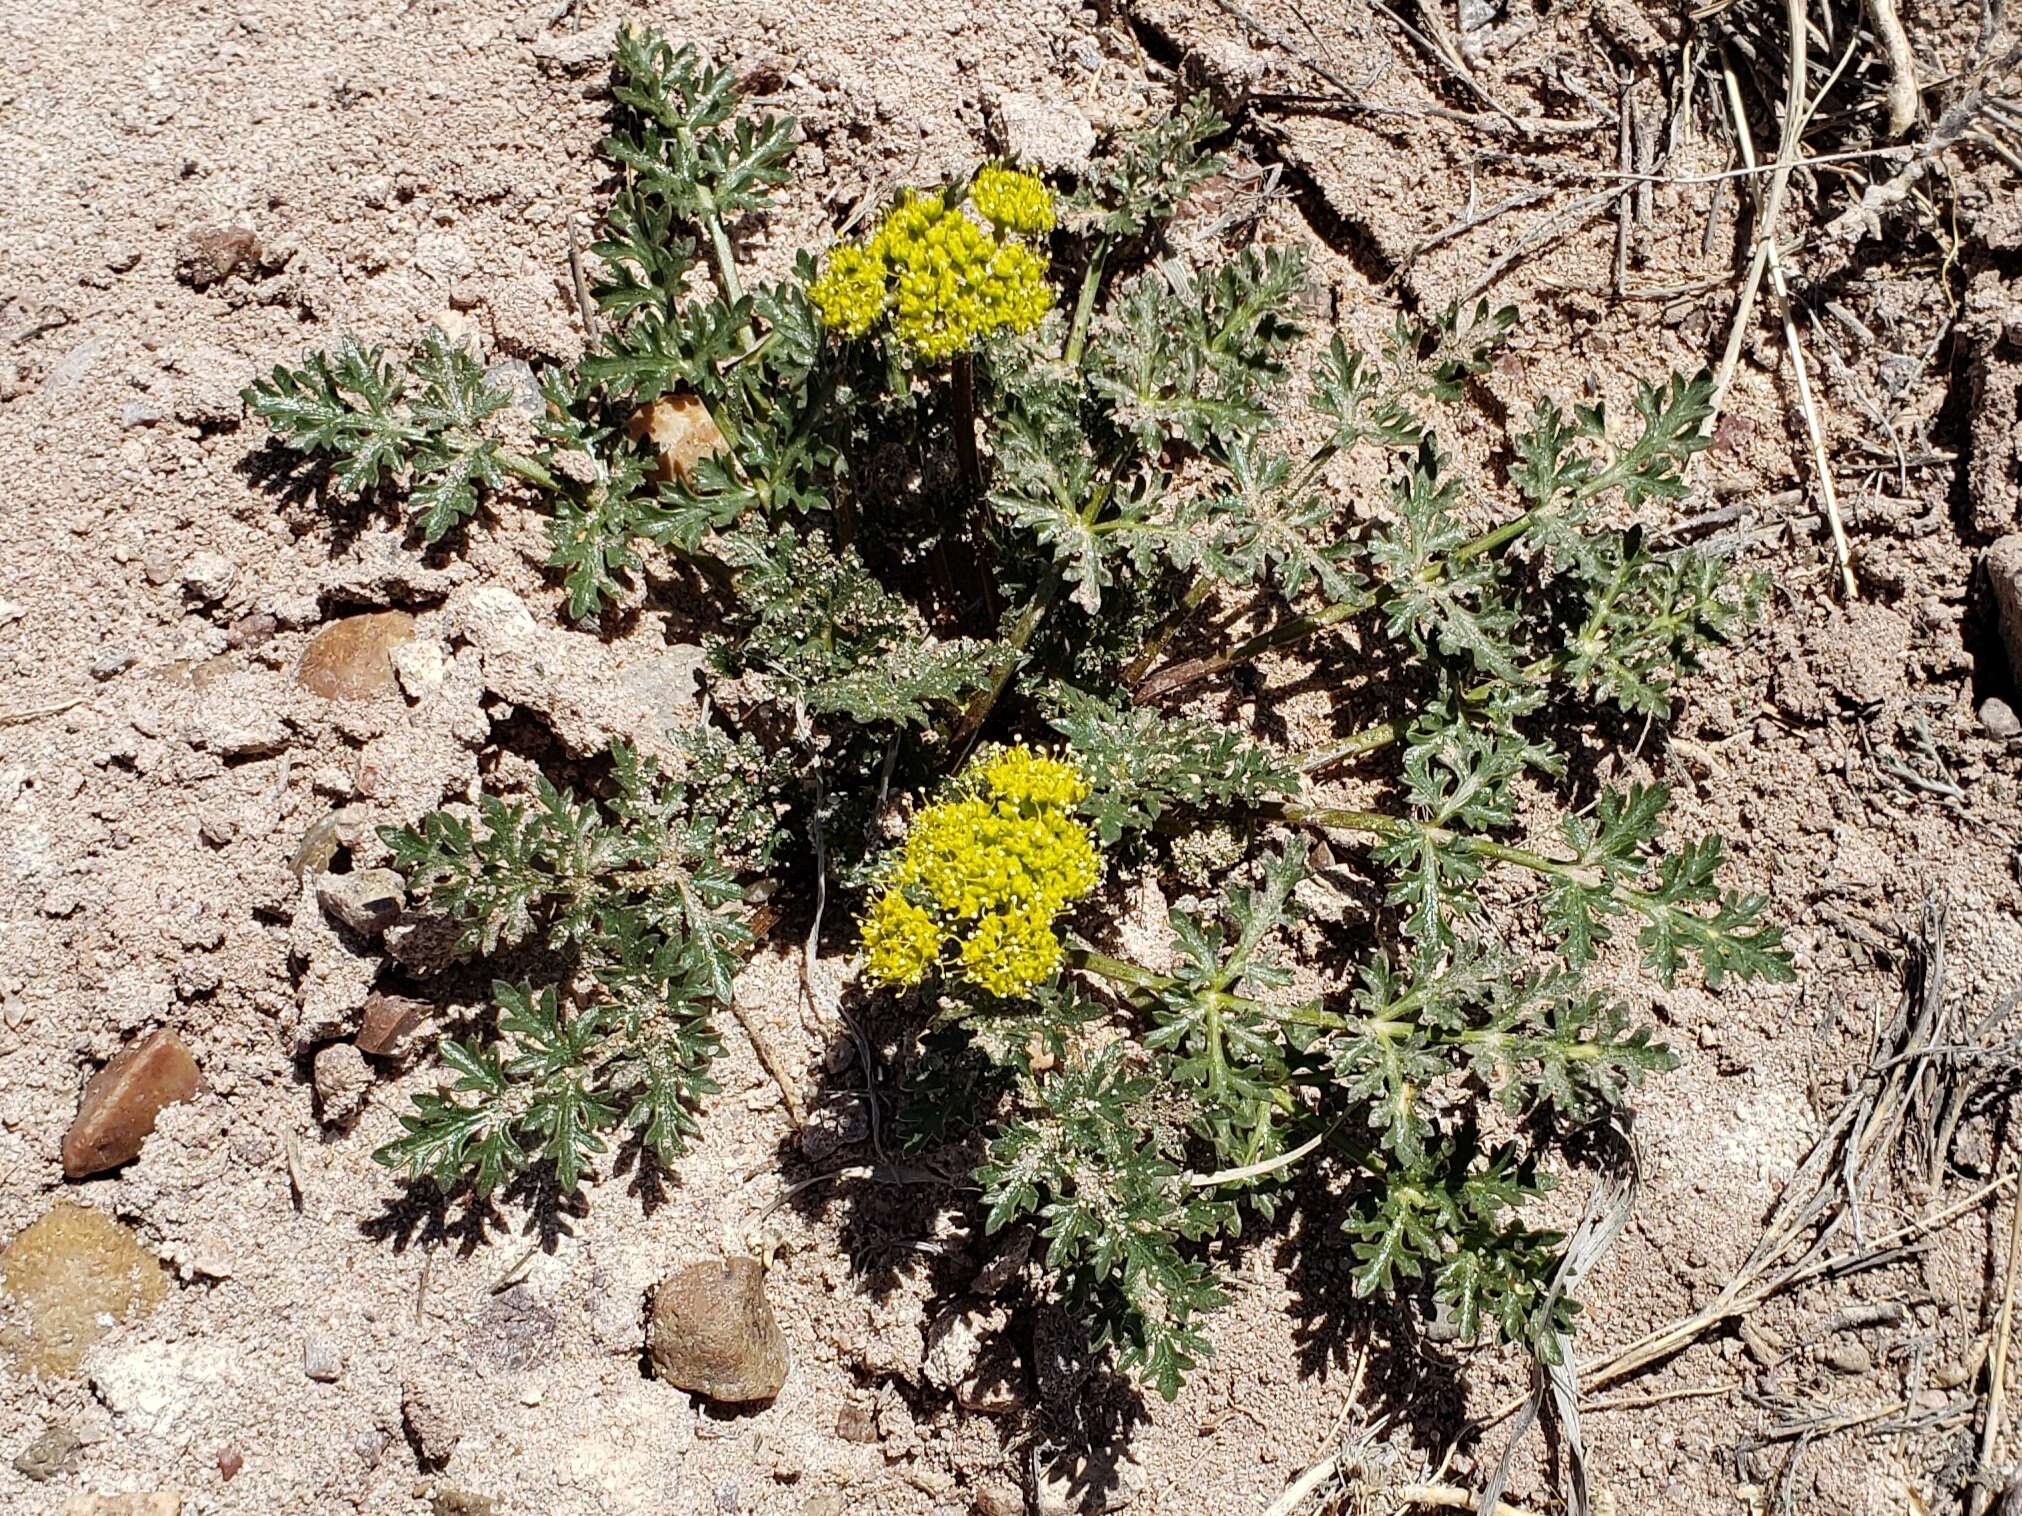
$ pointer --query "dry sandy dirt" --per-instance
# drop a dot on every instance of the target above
(160, 763)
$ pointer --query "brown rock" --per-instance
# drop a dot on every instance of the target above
(712, 1332)
(349, 659)
(434, 1430)
(120, 1103)
(857, 1422)
(63, 1282)
(679, 426)
(2004, 572)
(389, 1021)
(212, 254)
(367, 901)
(53, 1453)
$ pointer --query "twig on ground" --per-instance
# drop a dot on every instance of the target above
(1864, 219)
(1467, 223)
(1903, 92)
(1624, 155)
(583, 306)
(769, 1061)
(1549, 230)
(38, 712)
(1997, 1372)
(1787, 154)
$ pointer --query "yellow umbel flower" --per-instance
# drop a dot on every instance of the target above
(1008, 955)
(900, 939)
(1013, 202)
(990, 866)
(850, 294)
(944, 279)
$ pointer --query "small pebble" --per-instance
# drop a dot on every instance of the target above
(343, 1080)
(1850, 1358)
(1999, 718)
(712, 1332)
(113, 662)
(321, 1360)
(50, 1454)
(209, 576)
(230, 1461)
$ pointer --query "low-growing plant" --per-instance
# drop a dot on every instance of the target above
(979, 467)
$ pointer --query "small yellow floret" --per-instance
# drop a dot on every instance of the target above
(992, 866)
(901, 941)
(1022, 776)
(850, 294)
(1008, 955)
(1012, 201)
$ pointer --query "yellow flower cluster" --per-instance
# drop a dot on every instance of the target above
(1012, 202)
(989, 867)
(944, 279)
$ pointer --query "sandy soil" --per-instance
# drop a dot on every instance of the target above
(160, 767)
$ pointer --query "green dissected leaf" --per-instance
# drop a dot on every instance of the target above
(1560, 459)
(1264, 525)
(346, 405)
(1044, 486)
(1376, 402)
(637, 895)
(1113, 1211)
(1612, 874)
(1646, 618)
(1433, 880)
(1140, 764)
(424, 428)
(677, 135)
(660, 351)
(1542, 1040)
(837, 641)
(646, 261)
(1458, 772)
(1731, 940)
(598, 521)
(1139, 182)
(1195, 361)
(553, 1062)
(447, 1139)
(1434, 596)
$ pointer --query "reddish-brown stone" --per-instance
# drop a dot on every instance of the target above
(120, 1103)
(389, 1021)
(349, 659)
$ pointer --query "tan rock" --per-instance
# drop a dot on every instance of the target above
(712, 1332)
(155, 1503)
(351, 659)
(64, 1281)
(120, 1103)
(679, 426)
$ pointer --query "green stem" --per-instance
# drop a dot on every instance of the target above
(726, 264)
(1168, 628)
(1645, 903)
(1084, 308)
(1374, 738)
(527, 469)
(1369, 740)
(1177, 676)
(1392, 828)
(963, 738)
(1146, 983)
